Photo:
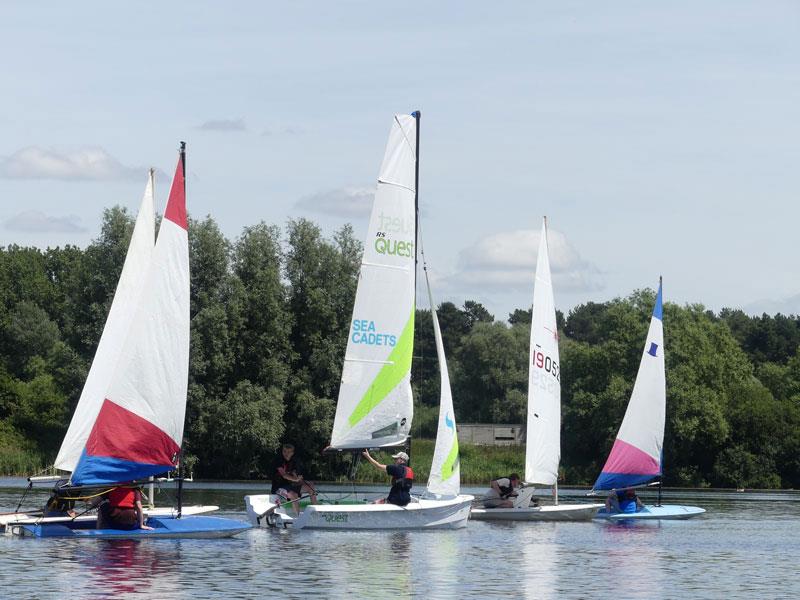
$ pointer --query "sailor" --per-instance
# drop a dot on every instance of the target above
(402, 478)
(121, 508)
(623, 501)
(501, 491)
(59, 506)
(287, 478)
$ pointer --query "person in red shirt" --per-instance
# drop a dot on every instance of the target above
(121, 508)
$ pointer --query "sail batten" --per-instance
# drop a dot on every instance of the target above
(635, 457)
(543, 443)
(375, 406)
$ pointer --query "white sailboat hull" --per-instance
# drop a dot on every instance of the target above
(419, 514)
(424, 514)
(560, 512)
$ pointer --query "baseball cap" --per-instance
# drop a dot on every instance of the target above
(402, 455)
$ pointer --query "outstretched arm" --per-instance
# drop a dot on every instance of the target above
(374, 462)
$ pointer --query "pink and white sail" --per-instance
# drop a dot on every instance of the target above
(635, 457)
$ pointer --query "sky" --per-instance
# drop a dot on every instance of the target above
(658, 138)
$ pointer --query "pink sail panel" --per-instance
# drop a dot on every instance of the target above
(628, 459)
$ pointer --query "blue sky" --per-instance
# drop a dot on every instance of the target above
(659, 138)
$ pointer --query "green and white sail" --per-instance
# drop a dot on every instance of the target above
(543, 445)
(375, 406)
(445, 477)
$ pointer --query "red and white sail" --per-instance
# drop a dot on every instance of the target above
(139, 427)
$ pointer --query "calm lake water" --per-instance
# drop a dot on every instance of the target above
(747, 545)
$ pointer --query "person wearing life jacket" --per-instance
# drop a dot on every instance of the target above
(501, 491)
(287, 478)
(121, 508)
(402, 478)
(623, 501)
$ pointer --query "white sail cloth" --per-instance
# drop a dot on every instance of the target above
(129, 290)
(375, 406)
(445, 476)
(543, 446)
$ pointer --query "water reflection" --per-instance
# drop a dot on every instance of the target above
(633, 557)
(747, 543)
(539, 573)
(125, 567)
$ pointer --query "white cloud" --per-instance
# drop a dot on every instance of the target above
(286, 130)
(224, 125)
(344, 202)
(34, 221)
(785, 306)
(507, 261)
(85, 164)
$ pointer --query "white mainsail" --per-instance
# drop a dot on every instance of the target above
(139, 427)
(375, 406)
(543, 446)
(129, 289)
(445, 476)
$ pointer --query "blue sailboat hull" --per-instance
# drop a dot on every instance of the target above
(163, 527)
(665, 511)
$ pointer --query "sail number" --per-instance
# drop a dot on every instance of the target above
(547, 364)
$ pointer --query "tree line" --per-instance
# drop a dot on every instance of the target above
(270, 314)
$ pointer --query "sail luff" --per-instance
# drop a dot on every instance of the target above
(126, 297)
(543, 440)
(375, 406)
(635, 457)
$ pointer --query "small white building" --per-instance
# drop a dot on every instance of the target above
(491, 434)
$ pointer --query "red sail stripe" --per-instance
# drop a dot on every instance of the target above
(176, 205)
(119, 433)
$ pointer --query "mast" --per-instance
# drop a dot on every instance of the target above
(555, 485)
(180, 452)
(661, 478)
(417, 115)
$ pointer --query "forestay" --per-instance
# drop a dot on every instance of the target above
(543, 446)
(636, 455)
(445, 477)
(139, 427)
(375, 406)
(126, 298)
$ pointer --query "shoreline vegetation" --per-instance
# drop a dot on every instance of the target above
(270, 315)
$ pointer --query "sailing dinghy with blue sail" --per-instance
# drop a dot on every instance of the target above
(375, 404)
(137, 397)
(543, 440)
(636, 458)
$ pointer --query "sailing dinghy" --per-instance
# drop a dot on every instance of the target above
(637, 454)
(136, 398)
(375, 405)
(543, 442)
